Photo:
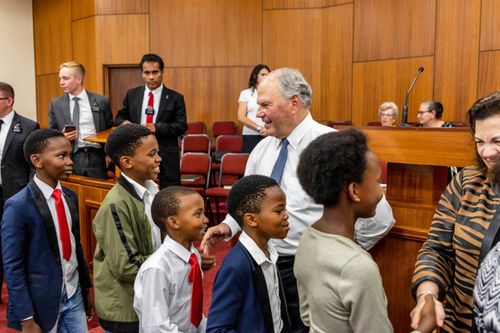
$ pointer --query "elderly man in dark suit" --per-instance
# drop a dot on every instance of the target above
(160, 109)
(79, 114)
(15, 170)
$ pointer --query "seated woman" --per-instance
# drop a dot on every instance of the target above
(464, 228)
(253, 127)
(388, 112)
(339, 284)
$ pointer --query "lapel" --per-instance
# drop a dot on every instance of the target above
(163, 102)
(95, 113)
(137, 100)
(16, 121)
(44, 210)
(73, 210)
(65, 109)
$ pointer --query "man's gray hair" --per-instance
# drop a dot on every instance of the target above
(292, 83)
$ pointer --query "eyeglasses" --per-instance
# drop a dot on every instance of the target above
(422, 112)
(4, 98)
(386, 115)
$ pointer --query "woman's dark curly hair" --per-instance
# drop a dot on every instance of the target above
(252, 80)
(330, 163)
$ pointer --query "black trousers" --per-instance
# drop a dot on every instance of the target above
(90, 162)
(285, 267)
(170, 169)
(2, 203)
(249, 143)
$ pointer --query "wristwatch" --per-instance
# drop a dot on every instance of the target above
(259, 128)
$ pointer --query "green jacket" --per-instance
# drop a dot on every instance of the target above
(124, 242)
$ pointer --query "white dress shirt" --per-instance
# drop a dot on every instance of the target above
(300, 207)
(70, 267)
(162, 291)
(268, 266)
(157, 96)
(4, 129)
(147, 194)
(86, 126)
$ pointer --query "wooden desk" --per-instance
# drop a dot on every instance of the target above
(100, 137)
(417, 174)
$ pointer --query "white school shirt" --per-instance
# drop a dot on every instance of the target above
(70, 267)
(300, 207)
(147, 194)
(4, 130)
(86, 126)
(162, 291)
(268, 266)
(157, 96)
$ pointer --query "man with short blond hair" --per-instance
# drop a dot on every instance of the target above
(79, 114)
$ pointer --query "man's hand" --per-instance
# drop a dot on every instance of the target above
(29, 326)
(207, 262)
(90, 311)
(151, 127)
(71, 135)
(428, 313)
(214, 235)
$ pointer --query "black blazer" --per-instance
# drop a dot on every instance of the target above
(171, 119)
(15, 169)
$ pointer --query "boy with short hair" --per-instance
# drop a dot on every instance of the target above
(339, 284)
(125, 233)
(168, 288)
(247, 293)
(46, 274)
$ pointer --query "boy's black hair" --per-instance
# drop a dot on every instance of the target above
(124, 140)
(166, 203)
(330, 163)
(37, 141)
(151, 57)
(246, 196)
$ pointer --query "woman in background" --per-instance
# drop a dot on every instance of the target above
(253, 127)
(388, 112)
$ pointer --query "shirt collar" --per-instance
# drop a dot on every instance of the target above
(151, 187)
(7, 120)
(155, 91)
(255, 251)
(81, 95)
(178, 249)
(46, 189)
(298, 132)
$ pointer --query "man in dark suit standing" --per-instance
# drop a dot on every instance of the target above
(160, 109)
(15, 170)
(79, 114)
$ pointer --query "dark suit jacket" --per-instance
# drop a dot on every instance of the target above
(15, 168)
(31, 257)
(170, 121)
(240, 302)
(60, 116)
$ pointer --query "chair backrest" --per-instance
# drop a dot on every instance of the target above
(229, 143)
(232, 165)
(196, 127)
(196, 164)
(374, 123)
(195, 143)
(223, 128)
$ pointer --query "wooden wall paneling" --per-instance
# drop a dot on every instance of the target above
(490, 25)
(336, 63)
(52, 34)
(210, 93)
(119, 79)
(292, 38)
(47, 87)
(457, 56)
(388, 29)
(489, 73)
(206, 32)
(84, 51)
(380, 81)
(103, 7)
(82, 8)
(291, 4)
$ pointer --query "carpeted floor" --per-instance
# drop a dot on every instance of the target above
(219, 251)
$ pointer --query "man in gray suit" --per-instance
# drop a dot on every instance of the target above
(79, 114)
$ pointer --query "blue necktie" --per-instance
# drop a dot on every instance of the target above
(279, 166)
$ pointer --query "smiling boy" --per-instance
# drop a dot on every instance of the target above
(124, 229)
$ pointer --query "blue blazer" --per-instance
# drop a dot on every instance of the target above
(31, 257)
(240, 302)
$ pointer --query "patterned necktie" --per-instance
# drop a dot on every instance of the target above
(197, 292)
(279, 166)
(151, 106)
(76, 121)
(63, 225)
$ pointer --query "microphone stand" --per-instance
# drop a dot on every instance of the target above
(405, 106)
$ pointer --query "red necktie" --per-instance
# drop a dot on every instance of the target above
(151, 106)
(197, 293)
(63, 225)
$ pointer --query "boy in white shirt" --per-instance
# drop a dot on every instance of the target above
(168, 290)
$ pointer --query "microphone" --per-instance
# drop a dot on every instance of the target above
(405, 106)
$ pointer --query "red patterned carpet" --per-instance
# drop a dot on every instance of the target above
(219, 251)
